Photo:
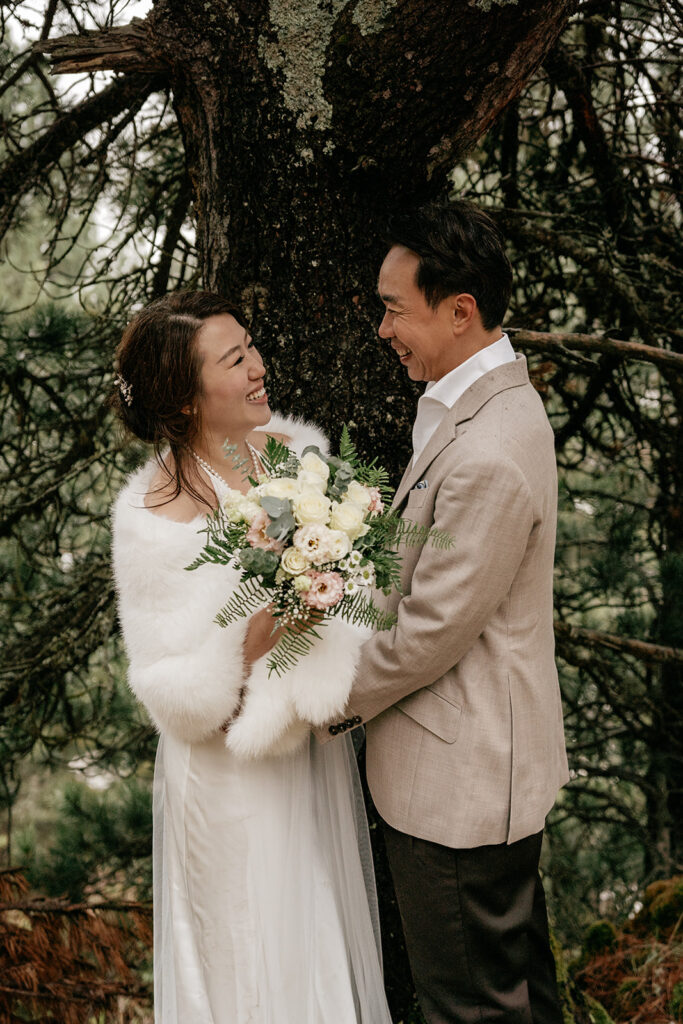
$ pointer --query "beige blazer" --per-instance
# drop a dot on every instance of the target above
(465, 743)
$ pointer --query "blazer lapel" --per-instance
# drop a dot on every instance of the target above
(443, 435)
(510, 375)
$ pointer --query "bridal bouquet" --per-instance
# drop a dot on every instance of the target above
(312, 536)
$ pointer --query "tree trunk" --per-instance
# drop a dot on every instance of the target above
(305, 124)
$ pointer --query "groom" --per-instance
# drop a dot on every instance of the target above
(465, 746)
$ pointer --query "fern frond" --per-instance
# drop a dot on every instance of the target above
(247, 599)
(412, 534)
(361, 610)
(347, 449)
(274, 454)
(294, 644)
(372, 475)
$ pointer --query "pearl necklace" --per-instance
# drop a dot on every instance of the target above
(214, 475)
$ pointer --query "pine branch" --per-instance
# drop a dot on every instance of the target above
(128, 48)
(21, 172)
(555, 341)
(641, 649)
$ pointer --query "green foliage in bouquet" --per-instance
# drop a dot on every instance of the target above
(312, 568)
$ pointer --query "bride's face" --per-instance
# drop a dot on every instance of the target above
(233, 399)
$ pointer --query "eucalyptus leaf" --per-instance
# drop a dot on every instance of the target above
(281, 527)
(276, 507)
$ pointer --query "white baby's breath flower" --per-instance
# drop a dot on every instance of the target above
(294, 561)
(302, 583)
(358, 494)
(312, 463)
(348, 516)
(311, 506)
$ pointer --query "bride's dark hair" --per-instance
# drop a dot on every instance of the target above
(159, 376)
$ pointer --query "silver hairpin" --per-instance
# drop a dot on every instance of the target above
(125, 389)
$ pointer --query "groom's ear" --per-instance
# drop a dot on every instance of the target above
(464, 312)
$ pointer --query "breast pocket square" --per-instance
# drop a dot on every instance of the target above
(422, 485)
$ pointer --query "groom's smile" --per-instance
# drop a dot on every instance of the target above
(420, 334)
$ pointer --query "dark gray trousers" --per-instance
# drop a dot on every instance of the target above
(476, 930)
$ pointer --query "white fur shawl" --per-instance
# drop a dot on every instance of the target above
(187, 670)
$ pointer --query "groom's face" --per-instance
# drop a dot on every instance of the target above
(421, 335)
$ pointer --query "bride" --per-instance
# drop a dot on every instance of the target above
(264, 902)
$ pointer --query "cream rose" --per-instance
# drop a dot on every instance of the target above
(338, 545)
(310, 481)
(358, 494)
(280, 487)
(294, 561)
(311, 506)
(348, 517)
(312, 463)
(238, 507)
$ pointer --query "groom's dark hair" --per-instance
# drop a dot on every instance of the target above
(460, 250)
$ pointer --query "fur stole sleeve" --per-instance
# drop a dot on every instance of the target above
(183, 667)
(187, 670)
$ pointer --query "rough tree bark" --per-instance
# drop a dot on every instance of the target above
(304, 124)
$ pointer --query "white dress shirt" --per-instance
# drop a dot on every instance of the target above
(441, 395)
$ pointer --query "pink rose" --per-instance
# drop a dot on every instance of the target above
(257, 536)
(376, 504)
(326, 590)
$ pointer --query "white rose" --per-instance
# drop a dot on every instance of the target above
(249, 509)
(358, 494)
(238, 507)
(310, 481)
(280, 487)
(338, 545)
(294, 561)
(348, 517)
(311, 506)
(312, 463)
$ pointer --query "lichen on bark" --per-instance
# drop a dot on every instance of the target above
(303, 32)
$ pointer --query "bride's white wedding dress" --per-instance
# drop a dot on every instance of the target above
(264, 899)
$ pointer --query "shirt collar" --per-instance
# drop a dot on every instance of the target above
(452, 385)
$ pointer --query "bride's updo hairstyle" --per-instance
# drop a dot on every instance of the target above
(158, 383)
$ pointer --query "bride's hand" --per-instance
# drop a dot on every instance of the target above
(260, 637)
(264, 631)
